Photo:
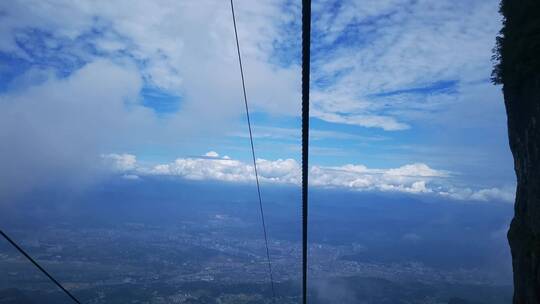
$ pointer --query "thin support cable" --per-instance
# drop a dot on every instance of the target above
(39, 267)
(306, 39)
(253, 156)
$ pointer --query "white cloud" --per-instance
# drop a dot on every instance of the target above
(211, 154)
(386, 123)
(413, 170)
(122, 162)
(409, 178)
(56, 124)
(281, 170)
(506, 194)
(184, 47)
(412, 178)
(386, 46)
(206, 169)
(494, 193)
(55, 131)
(188, 46)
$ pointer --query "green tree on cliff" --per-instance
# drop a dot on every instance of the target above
(517, 50)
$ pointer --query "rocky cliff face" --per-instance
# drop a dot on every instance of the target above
(518, 52)
(523, 108)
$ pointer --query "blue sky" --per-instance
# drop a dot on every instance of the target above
(401, 98)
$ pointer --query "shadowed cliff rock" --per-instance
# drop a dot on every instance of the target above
(518, 70)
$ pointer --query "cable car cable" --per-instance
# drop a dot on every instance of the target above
(253, 156)
(12, 242)
(306, 37)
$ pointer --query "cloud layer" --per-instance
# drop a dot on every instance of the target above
(374, 62)
(386, 63)
(417, 178)
(80, 79)
(54, 132)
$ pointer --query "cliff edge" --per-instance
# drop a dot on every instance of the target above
(518, 70)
